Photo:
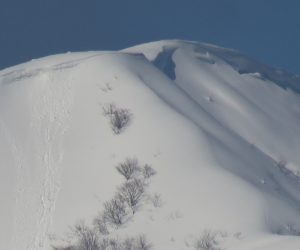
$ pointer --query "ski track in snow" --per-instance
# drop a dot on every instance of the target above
(51, 105)
(55, 111)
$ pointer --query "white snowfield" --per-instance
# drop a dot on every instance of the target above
(221, 130)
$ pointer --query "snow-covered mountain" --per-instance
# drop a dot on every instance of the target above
(221, 131)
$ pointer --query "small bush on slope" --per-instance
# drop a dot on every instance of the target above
(129, 196)
(114, 214)
(207, 241)
(132, 192)
(156, 200)
(148, 171)
(118, 117)
(141, 243)
(129, 168)
(114, 211)
(88, 239)
(100, 223)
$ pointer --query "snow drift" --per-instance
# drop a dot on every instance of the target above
(220, 129)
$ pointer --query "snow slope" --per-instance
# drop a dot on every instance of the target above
(221, 130)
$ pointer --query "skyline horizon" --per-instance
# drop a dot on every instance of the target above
(263, 31)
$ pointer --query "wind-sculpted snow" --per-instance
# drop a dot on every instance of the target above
(221, 130)
(245, 65)
(223, 138)
(164, 62)
(240, 62)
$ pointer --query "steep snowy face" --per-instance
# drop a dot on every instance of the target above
(252, 97)
(255, 102)
(220, 130)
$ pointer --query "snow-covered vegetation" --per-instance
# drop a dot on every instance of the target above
(166, 145)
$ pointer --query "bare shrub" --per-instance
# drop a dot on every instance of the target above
(156, 200)
(129, 168)
(142, 243)
(132, 193)
(104, 244)
(87, 237)
(115, 244)
(148, 171)
(119, 120)
(58, 243)
(114, 211)
(100, 224)
(112, 244)
(119, 117)
(129, 244)
(207, 241)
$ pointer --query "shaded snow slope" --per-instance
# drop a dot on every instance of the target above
(221, 130)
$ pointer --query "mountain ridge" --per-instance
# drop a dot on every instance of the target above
(222, 126)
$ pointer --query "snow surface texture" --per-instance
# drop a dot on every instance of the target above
(221, 130)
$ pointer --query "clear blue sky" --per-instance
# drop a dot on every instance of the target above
(264, 29)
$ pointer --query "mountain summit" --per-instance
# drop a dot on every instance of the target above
(195, 145)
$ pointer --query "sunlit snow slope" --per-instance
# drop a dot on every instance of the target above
(221, 130)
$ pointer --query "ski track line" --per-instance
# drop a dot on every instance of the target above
(52, 110)
(50, 115)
